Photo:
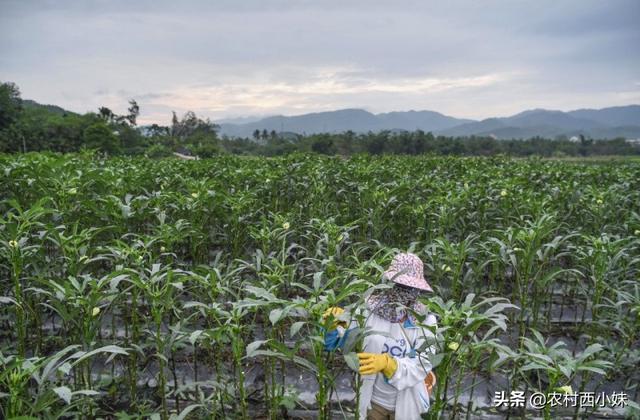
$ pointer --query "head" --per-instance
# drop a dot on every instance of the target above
(406, 269)
(401, 295)
(396, 302)
(406, 272)
(411, 291)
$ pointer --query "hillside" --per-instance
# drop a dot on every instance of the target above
(610, 122)
(357, 120)
(54, 109)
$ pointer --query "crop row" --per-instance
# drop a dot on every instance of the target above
(112, 271)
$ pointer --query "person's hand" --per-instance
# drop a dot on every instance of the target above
(430, 381)
(371, 363)
(334, 311)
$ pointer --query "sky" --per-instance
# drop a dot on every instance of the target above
(233, 58)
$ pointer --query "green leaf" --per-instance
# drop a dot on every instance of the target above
(592, 369)
(533, 366)
(275, 315)
(262, 293)
(8, 300)
(252, 347)
(352, 361)
(81, 355)
(184, 413)
(592, 349)
(87, 392)
(436, 359)
(65, 368)
(566, 371)
(114, 282)
(64, 393)
(352, 338)
(317, 280)
(305, 363)
(499, 307)
(295, 328)
(193, 337)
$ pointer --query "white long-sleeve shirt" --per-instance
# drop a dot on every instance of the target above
(411, 399)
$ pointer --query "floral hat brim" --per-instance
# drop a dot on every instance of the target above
(407, 280)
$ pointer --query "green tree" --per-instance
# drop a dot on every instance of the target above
(106, 114)
(10, 104)
(134, 111)
(195, 134)
(156, 130)
(190, 125)
(100, 136)
(324, 145)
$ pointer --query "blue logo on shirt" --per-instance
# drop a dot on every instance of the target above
(397, 350)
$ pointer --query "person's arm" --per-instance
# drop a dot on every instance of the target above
(338, 332)
(335, 338)
(412, 370)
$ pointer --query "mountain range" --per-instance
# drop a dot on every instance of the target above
(612, 122)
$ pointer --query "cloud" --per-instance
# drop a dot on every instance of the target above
(327, 89)
(228, 58)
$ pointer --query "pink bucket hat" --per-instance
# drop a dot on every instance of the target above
(406, 269)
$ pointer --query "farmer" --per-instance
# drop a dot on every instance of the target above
(396, 375)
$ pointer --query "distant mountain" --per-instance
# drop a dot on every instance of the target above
(239, 120)
(477, 127)
(612, 122)
(357, 120)
(423, 120)
(54, 109)
(621, 121)
(616, 116)
(542, 117)
(602, 123)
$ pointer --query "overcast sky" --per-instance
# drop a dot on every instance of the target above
(471, 59)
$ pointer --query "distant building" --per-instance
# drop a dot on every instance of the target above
(574, 139)
(635, 142)
(184, 151)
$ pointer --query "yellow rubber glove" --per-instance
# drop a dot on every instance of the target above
(336, 312)
(371, 363)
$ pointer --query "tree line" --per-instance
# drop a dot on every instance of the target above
(26, 126)
(418, 142)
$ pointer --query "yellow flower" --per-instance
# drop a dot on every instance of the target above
(517, 249)
(195, 195)
(637, 232)
(466, 185)
(13, 244)
(565, 389)
(95, 311)
(286, 225)
(73, 191)
(445, 268)
(599, 201)
(503, 193)
(162, 249)
(453, 346)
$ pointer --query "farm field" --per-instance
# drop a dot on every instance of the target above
(195, 289)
